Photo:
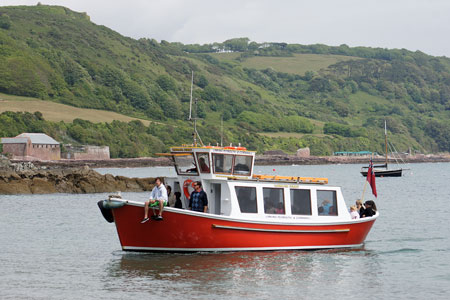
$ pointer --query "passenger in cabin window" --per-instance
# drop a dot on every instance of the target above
(280, 209)
(203, 166)
(354, 213)
(157, 198)
(178, 203)
(326, 204)
(198, 201)
(332, 211)
(360, 207)
(269, 206)
(371, 209)
(171, 196)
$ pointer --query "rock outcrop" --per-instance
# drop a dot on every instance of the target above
(72, 180)
(303, 152)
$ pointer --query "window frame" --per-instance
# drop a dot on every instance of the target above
(234, 165)
(291, 192)
(196, 173)
(283, 198)
(334, 203)
(214, 165)
(256, 198)
(198, 164)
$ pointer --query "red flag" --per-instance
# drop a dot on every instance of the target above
(371, 178)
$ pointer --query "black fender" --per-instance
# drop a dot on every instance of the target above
(106, 212)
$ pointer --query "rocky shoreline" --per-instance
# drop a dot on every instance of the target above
(73, 180)
(70, 176)
(28, 178)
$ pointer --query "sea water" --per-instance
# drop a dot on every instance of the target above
(59, 246)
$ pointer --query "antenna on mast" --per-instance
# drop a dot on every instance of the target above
(190, 103)
(195, 134)
(221, 133)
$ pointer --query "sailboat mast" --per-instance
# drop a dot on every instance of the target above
(195, 134)
(385, 141)
(190, 103)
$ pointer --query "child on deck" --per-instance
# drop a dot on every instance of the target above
(354, 212)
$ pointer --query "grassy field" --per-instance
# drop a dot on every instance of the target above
(297, 64)
(289, 134)
(59, 112)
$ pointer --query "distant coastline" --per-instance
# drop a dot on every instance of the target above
(78, 176)
(261, 160)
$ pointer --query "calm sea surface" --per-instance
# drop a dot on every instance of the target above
(59, 247)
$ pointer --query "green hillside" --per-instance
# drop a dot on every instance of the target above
(270, 96)
(296, 64)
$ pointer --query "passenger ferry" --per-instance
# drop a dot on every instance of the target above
(246, 212)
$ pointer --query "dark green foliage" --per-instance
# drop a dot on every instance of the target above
(344, 130)
(5, 21)
(270, 123)
(440, 133)
(166, 83)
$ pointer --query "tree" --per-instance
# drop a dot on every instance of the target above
(237, 44)
(202, 81)
(5, 21)
(166, 83)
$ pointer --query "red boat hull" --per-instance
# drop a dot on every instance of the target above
(189, 231)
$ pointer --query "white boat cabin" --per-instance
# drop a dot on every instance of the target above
(233, 190)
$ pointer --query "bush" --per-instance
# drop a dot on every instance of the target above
(5, 21)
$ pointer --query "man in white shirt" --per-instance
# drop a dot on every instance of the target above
(159, 193)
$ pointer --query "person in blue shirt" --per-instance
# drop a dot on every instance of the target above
(159, 194)
(198, 201)
(325, 208)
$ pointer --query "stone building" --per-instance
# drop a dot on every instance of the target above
(85, 152)
(32, 146)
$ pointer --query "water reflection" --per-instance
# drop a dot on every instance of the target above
(231, 274)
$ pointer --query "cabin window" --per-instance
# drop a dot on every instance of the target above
(327, 203)
(273, 201)
(242, 165)
(222, 163)
(247, 199)
(300, 202)
(184, 164)
(203, 162)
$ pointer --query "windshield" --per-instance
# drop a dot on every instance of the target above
(185, 165)
(222, 163)
(242, 165)
(203, 162)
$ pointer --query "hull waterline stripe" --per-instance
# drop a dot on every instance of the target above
(281, 230)
(133, 248)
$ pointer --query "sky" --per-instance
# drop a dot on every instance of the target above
(422, 25)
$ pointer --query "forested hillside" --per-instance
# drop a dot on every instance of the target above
(327, 98)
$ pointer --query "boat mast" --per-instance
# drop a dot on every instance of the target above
(221, 132)
(385, 142)
(190, 103)
(195, 134)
